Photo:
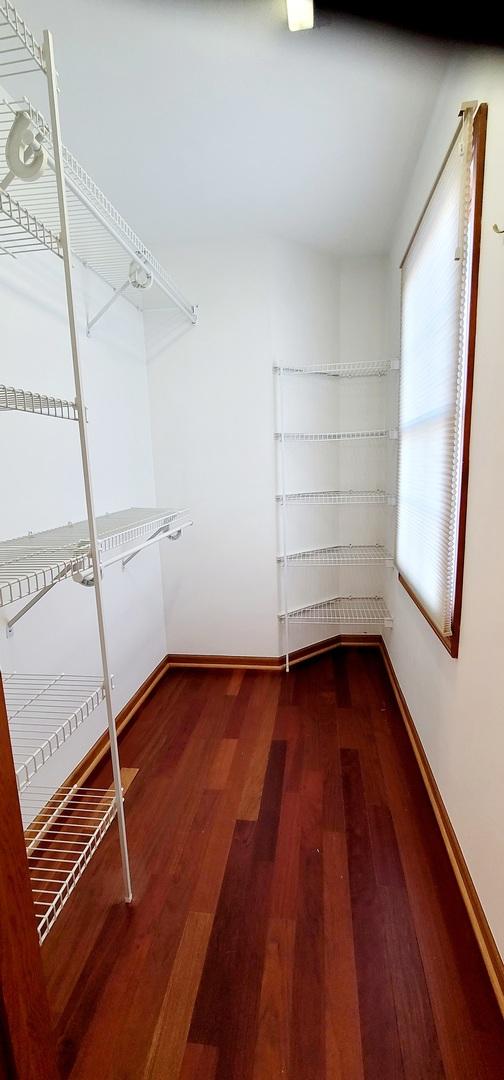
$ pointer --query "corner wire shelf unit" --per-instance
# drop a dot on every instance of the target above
(20, 53)
(101, 238)
(28, 401)
(341, 371)
(358, 610)
(332, 436)
(44, 711)
(341, 555)
(37, 561)
(61, 840)
(337, 498)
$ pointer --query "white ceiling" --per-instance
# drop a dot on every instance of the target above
(204, 117)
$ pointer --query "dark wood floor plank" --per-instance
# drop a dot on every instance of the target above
(240, 928)
(417, 1030)
(170, 1036)
(271, 1057)
(343, 1042)
(200, 1062)
(380, 1038)
(307, 1049)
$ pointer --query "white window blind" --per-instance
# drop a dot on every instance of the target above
(432, 385)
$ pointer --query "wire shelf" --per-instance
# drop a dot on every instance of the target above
(61, 842)
(31, 563)
(341, 371)
(20, 53)
(331, 436)
(336, 498)
(30, 402)
(342, 555)
(21, 231)
(44, 711)
(101, 238)
(344, 609)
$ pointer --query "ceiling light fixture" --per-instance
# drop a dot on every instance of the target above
(300, 14)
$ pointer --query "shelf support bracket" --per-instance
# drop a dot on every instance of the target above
(115, 296)
(163, 533)
(31, 603)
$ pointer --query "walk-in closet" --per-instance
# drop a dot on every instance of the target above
(251, 270)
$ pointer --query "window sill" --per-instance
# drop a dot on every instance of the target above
(450, 641)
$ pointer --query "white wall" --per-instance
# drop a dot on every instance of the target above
(213, 418)
(42, 482)
(212, 421)
(458, 705)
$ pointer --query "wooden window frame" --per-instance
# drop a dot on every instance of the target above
(451, 641)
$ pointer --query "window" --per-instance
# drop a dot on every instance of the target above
(438, 327)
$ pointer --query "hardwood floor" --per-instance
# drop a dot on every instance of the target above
(295, 912)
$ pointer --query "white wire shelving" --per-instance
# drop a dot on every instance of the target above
(340, 555)
(44, 711)
(336, 498)
(343, 609)
(20, 53)
(341, 371)
(101, 238)
(60, 842)
(28, 401)
(332, 436)
(34, 562)
(49, 203)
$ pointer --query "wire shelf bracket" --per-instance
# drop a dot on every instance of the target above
(160, 534)
(44, 711)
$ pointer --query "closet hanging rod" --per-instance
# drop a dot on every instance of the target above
(162, 534)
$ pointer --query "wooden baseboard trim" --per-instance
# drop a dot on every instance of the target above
(270, 663)
(309, 652)
(101, 747)
(249, 663)
(486, 941)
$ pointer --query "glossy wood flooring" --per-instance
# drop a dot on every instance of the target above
(295, 913)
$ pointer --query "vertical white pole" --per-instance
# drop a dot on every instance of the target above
(79, 396)
(283, 516)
